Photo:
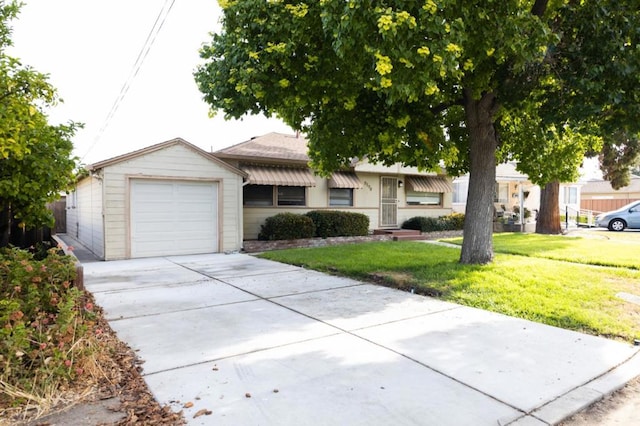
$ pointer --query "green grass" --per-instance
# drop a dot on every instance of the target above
(575, 296)
(596, 248)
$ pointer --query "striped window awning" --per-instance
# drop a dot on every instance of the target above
(345, 180)
(281, 176)
(437, 184)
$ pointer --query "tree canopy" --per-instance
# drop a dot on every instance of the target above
(427, 82)
(35, 156)
(618, 158)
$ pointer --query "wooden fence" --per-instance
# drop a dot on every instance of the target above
(59, 209)
(604, 205)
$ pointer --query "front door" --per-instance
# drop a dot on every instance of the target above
(388, 202)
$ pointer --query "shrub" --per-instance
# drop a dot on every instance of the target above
(451, 222)
(287, 226)
(42, 318)
(423, 224)
(527, 212)
(331, 223)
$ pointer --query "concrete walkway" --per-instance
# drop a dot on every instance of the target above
(262, 343)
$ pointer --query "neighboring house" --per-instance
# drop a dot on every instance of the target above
(599, 196)
(514, 189)
(167, 199)
(280, 180)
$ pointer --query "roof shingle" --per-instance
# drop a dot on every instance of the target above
(272, 146)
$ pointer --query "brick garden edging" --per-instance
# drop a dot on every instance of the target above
(254, 246)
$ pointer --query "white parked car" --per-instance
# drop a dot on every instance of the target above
(627, 216)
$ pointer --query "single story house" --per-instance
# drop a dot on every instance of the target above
(172, 198)
(280, 180)
(599, 195)
(515, 190)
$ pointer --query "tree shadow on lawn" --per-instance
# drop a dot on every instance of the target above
(568, 248)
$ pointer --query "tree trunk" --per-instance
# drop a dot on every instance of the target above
(548, 221)
(477, 244)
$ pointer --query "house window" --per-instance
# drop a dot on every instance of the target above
(341, 197)
(460, 190)
(258, 195)
(424, 198)
(570, 195)
(291, 196)
(501, 193)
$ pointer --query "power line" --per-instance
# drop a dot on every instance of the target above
(142, 55)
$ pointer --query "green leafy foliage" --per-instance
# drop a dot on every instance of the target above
(35, 156)
(286, 226)
(451, 222)
(423, 224)
(330, 223)
(42, 319)
(433, 82)
(374, 80)
(618, 157)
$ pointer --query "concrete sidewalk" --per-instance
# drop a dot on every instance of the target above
(262, 343)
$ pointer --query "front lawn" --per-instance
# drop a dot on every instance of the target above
(595, 248)
(576, 296)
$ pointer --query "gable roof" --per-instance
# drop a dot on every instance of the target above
(270, 147)
(159, 146)
(604, 186)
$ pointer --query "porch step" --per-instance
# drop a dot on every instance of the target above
(400, 234)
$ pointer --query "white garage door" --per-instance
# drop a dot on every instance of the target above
(173, 217)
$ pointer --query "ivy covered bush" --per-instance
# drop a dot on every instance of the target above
(43, 319)
(287, 226)
(451, 222)
(331, 223)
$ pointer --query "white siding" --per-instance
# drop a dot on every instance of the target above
(174, 162)
(84, 215)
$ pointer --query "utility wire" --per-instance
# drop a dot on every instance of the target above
(142, 55)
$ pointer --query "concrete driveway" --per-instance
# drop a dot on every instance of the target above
(262, 343)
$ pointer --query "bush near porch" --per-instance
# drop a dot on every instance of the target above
(316, 223)
(332, 223)
(451, 222)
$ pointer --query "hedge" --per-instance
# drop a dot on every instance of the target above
(452, 222)
(332, 223)
(287, 226)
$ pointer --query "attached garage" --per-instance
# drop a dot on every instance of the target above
(168, 199)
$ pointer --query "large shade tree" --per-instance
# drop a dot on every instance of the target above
(422, 82)
(618, 158)
(35, 156)
(548, 155)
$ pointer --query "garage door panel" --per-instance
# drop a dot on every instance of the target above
(173, 217)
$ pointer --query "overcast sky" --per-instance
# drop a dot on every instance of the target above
(89, 48)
